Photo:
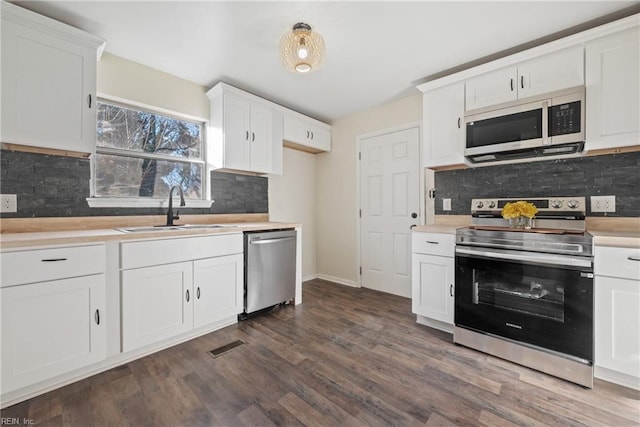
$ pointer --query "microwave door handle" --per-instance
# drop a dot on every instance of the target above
(546, 140)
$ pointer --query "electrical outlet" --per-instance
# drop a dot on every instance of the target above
(603, 203)
(446, 204)
(8, 203)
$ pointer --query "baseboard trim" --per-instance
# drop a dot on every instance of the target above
(615, 377)
(309, 277)
(338, 280)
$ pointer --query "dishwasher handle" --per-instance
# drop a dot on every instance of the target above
(274, 240)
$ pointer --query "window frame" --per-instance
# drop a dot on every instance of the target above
(150, 202)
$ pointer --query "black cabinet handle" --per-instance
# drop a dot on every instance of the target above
(89, 100)
(511, 85)
(459, 122)
(97, 317)
(633, 258)
(522, 82)
(253, 136)
(307, 134)
(53, 259)
(451, 290)
(431, 242)
(198, 292)
(311, 135)
(187, 295)
(246, 136)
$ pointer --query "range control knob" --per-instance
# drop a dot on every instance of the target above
(557, 204)
(479, 205)
(573, 204)
(492, 204)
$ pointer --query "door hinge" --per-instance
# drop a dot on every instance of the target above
(432, 193)
(360, 155)
(360, 212)
(361, 270)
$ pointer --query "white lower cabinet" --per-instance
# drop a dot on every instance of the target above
(184, 292)
(218, 289)
(51, 327)
(157, 303)
(617, 315)
(433, 279)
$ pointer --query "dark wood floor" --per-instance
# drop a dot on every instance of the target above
(351, 357)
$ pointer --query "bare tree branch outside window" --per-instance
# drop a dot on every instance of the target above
(144, 154)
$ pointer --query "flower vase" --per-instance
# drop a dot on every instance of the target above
(521, 222)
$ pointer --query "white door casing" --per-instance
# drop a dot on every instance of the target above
(390, 194)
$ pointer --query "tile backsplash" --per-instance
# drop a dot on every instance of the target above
(57, 186)
(607, 175)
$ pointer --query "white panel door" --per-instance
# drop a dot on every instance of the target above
(390, 195)
(157, 303)
(218, 287)
(51, 328)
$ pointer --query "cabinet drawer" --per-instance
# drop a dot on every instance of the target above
(145, 253)
(617, 262)
(30, 266)
(433, 244)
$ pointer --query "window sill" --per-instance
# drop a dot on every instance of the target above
(118, 202)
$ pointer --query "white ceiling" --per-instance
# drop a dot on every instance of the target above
(376, 51)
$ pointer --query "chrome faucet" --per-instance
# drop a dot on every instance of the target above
(170, 216)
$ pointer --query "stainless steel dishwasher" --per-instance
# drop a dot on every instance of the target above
(269, 269)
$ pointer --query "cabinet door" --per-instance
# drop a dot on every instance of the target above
(556, 71)
(613, 91)
(157, 303)
(443, 118)
(261, 132)
(46, 85)
(218, 287)
(296, 131)
(320, 138)
(237, 132)
(51, 328)
(617, 322)
(432, 287)
(491, 88)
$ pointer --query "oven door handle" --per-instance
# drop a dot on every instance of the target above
(527, 257)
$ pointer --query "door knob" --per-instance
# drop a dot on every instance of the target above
(414, 215)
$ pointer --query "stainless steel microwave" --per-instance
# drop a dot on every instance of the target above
(550, 125)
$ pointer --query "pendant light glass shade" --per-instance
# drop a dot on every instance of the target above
(302, 50)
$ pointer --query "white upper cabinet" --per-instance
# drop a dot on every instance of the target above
(548, 73)
(491, 88)
(48, 82)
(306, 134)
(613, 90)
(443, 119)
(552, 72)
(245, 132)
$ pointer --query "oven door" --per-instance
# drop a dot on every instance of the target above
(544, 300)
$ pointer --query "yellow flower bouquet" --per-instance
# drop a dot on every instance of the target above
(519, 214)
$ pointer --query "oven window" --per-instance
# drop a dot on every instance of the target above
(528, 289)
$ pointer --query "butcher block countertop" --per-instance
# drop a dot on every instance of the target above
(45, 238)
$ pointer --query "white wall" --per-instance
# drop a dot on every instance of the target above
(292, 198)
(336, 186)
(129, 80)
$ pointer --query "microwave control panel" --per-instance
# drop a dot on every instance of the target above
(564, 118)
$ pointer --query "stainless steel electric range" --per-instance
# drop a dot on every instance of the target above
(527, 295)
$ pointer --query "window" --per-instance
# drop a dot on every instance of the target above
(141, 154)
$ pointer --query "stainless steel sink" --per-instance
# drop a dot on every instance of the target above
(171, 228)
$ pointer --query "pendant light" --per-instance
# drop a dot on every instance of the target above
(302, 50)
